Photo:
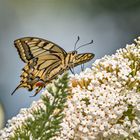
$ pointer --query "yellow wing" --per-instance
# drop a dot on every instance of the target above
(31, 47)
(83, 58)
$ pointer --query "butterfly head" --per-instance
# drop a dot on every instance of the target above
(81, 58)
(73, 53)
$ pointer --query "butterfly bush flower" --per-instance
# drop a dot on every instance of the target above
(104, 101)
(18, 121)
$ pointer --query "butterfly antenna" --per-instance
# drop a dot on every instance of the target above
(78, 38)
(16, 89)
(85, 44)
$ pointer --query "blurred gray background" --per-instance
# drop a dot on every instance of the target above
(110, 23)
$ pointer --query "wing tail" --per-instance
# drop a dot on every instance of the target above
(19, 86)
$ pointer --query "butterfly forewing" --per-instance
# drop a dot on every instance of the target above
(30, 47)
(83, 58)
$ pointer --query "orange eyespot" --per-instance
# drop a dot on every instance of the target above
(40, 84)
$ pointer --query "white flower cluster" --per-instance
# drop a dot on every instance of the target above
(18, 121)
(104, 102)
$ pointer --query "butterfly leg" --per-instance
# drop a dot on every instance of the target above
(82, 67)
(72, 70)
